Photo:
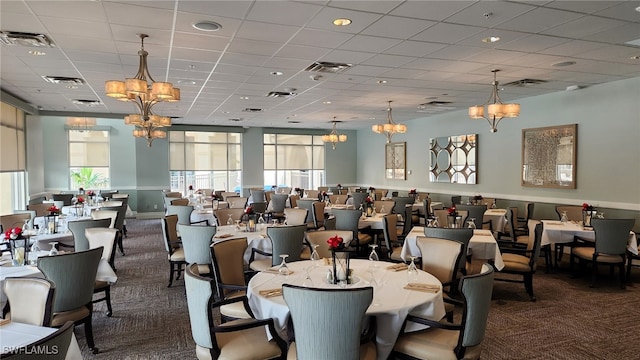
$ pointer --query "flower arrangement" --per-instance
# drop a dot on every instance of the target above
(80, 200)
(53, 210)
(190, 187)
(368, 200)
(340, 186)
(13, 233)
(587, 207)
(371, 188)
(81, 190)
(248, 210)
(90, 193)
(214, 196)
(477, 197)
(335, 243)
(452, 211)
(413, 192)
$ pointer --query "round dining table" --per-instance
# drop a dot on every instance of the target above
(392, 302)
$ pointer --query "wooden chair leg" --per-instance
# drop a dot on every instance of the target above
(88, 330)
(107, 298)
(171, 270)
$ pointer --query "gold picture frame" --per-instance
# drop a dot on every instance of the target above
(549, 156)
(395, 161)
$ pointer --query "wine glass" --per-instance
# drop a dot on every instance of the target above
(600, 215)
(315, 257)
(374, 260)
(308, 282)
(564, 218)
(54, 250)
(230, 220)
(383, 210)
(283, 269)
(238, 225)
(471, 223)
(412, 270)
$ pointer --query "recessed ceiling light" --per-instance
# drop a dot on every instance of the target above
(276, 73)
(244, 97)
(491, 39)
(207, 26)
(342, 22)
(635, 57)
(37, 53)
(638, 9)
(326, 102)
(72, 86)
(564, 63)
(186, 82)
(381, 81)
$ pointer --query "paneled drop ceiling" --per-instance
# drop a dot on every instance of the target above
(427, 56)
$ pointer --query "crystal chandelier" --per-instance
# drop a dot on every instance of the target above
(390, 127)
(333, 137)
(496, 109)
(144, 95)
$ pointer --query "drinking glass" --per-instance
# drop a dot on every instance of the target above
(283, 269)
(374, 262)
(315, 257)
(308, 282)
(383, 210)
(564, 217)
(600, 215)
(230, 220)
(238, 225)
(412, 270)
(53, 250)
(373, 256)
(471, 223)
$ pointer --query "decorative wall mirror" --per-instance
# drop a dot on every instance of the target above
(453, 159)
(549, 157)
(395, 160)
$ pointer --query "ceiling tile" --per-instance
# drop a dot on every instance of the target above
(386, 27)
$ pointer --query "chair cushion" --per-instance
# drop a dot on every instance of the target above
(246, 344)
(100, 285)
(178, 255)
(428, 344)
(395, 254)
(367, 351)
(305, 254)
(60, 318)
(364, 238)
(260, 265)
(587, 254)
(515, 262)
(235, 310)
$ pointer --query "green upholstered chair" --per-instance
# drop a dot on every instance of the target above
(347, 219)
(257, 195)
(358, 198)
(228, 264)
(74, 275)
(308, 205)
(610, 246)
(77, 228)
(29, 299)
(172, 244)
(105, 238)
(401, 203)
(453, 341)
(284, 240)
(328, 323)
(237, 339)
(277, 204)
(196, 242)
(523, 261)
(184, 214)
(476, 212)
(59, 340)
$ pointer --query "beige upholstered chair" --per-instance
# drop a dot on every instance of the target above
(59, 340)
(384, 206)
(29, 299)
(175, 253)
(320, 238)
(228, 265)
(13, 220)
(312, 194)
(523, 261)
(441, 215)
(295, 216)
(453, 341)
(318, 214)
(40, 209)
(105, 214)
(574, 213)
(237, 202)
(338, 199)
(228, 194)
(348, 220)
(77, 228)
(237, 339)
(392, 243)
(222, 215)
(104, 238)
(180, 201)
(293, 200)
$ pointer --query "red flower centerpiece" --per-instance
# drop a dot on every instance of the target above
(413, 192)
(53, 210)
(588, 213)
(335, 243)
(90, 193)
(80, 199)
(452, 217)
(13, 233)
(341, 273)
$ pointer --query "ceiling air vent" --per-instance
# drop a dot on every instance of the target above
(236, 119)
(435, 106)
(88, 103)
(525, 82)
(328, 67)
(284, 94)
(252, 110)
(25, 39)
(63, 80)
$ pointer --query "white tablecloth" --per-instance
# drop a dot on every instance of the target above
(498, 218)
(391, 302)
(14, 335)
(481, 246)
(257, 239)
(555, 232)
(419, 205)
(329, 209)
(373, 222)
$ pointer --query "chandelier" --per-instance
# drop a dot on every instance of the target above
(144, 95)
(390, 127)
(496, 109)
(80, 123)
(333, 137)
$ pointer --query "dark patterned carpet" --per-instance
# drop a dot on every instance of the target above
(568, 321)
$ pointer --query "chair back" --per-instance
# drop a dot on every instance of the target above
(100, 214)
(422, 196)
(312, 194)
(296, 216)
(401, 203)
(120, 196)
(358, 198)
(384, 206)
(77, 228)
(476, 290)
(440, 257)
(456, 199)
(169, 199)
(112, 203)
(14, 220)
(223, 215)
(293, 200)
(172, 194)
(259, 207)
(320, 336)
(441, 215)
(574, 213)
(196, 242)
(475, 212)
(318, 214)
(180, 201)
(528, 210)
(237, 202)
(65, 198)
(105, 238)
(460, 235)
(74, 275)
(612, 235)
(338, 199)
(183, 212)
(200, 292)
(320, 238)
(347, 219)
(257, 195)
(307, 204)
(228, 263)
(323, 188)
(30, 299)
(228, 194)
(426, 207)
(278, 202)
(286, 240)
(40, 209)
(59, 340)
(122, 213)
(170, 232)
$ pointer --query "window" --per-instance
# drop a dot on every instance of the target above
(205, 160)
(89, 159)
(12, 159)
(294, 160)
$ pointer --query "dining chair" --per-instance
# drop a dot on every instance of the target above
(442, 215)
(15, 220)
(358, 199)
(523, 262)
(222, 215)
(610, 246)
(295, 216)
(40, 209)
(338, 199)
(166, 200)
(184, 214)
(257, 195)
(120, 220)
(456, 200)
(338, 336)
(228, 194)
(528, 214)
(393, 245)
(425, 212)
(574, 212)
(111, 203)
(348, 219)
(237, 202)
(523, 238)
(422, 196)
(308, 205)
(277, 205)
(100, 214)
(476, 212)
(461, 235)
(444, 340)
(227, 257)
(65, 198)
(400, 203)
(237, 339)
(29, 300)
(293, 200)
(384, 206)
(259, 207)
(180, 201)
(318, 214)
(320, 238)
(56, 346)
(196, 242)
(77, 228)
(105, 238)
(74, 275)
(175, 253)
(631, 257)
(323, 188)
(267, 195)
(312, 194)
(285, 240)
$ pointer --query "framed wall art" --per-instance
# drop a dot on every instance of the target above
(453, 159)
(549, 156)
(395, 161)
